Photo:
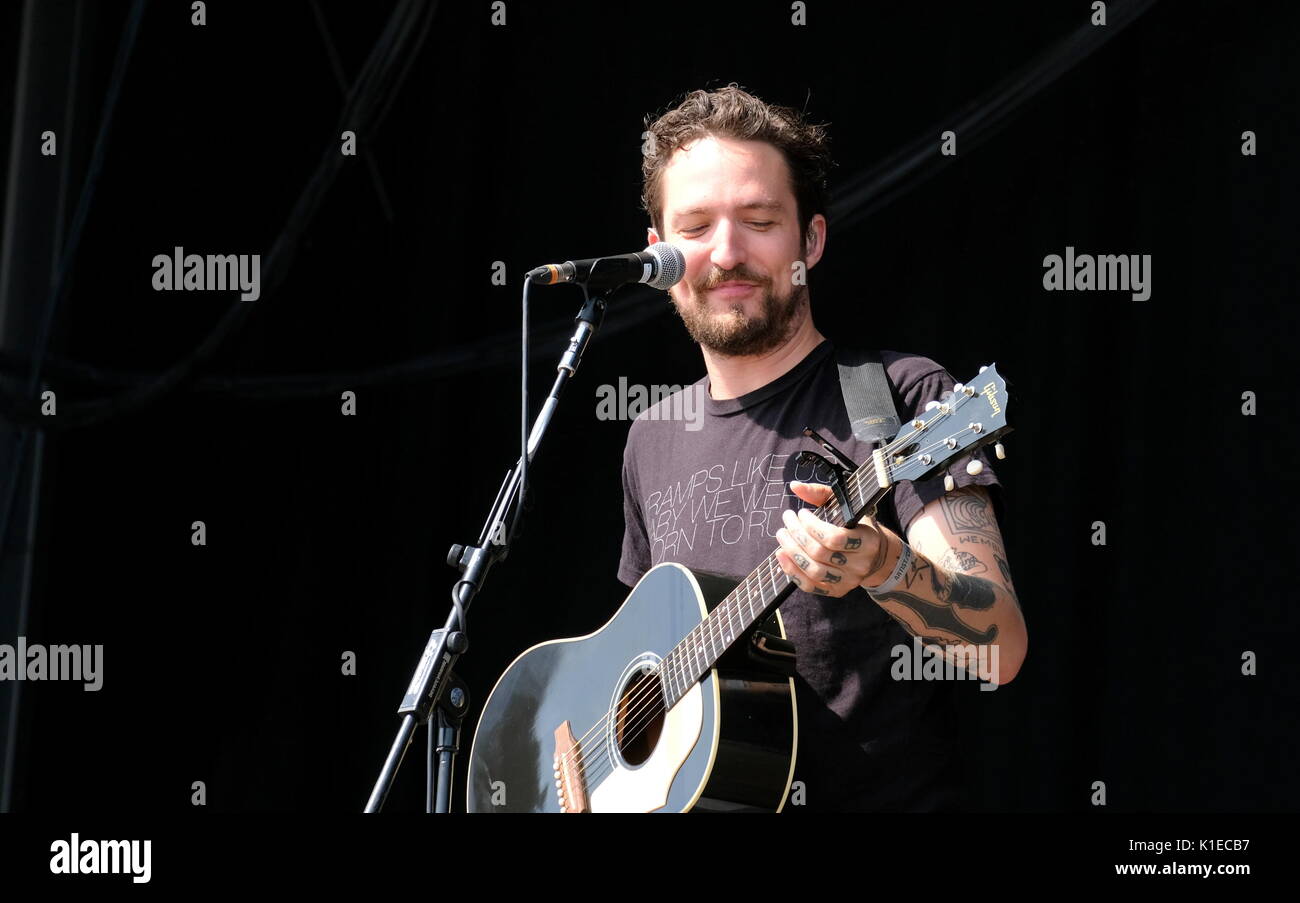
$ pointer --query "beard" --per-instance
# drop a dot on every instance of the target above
(734, 333)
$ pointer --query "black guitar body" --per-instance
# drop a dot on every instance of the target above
(726, 745)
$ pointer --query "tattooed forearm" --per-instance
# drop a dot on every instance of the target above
(965, 590)
(939, 617)
(969, 592)
(920, 568)
(961, 560)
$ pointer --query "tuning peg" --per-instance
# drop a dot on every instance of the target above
(985, 367)
(931, 405)
(948, 484)
(957, 388)
(974, 467)
(999, 451)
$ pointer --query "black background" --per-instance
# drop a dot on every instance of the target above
(521, 144)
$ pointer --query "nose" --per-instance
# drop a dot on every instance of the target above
(727, 251)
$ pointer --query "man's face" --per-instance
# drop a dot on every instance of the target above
(729, 206)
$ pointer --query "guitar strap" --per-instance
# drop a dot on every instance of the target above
(868, 396)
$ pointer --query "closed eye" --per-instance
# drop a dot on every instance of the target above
(752, 223)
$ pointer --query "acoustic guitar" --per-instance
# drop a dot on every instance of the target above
(684, 700)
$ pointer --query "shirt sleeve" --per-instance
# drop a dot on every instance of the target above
(635, 560)
(909, 498)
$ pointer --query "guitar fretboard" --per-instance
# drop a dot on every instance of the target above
(755, 596)
(920, 448)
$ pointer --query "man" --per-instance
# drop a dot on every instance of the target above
(738, 185)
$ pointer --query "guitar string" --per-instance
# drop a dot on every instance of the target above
(694, 642)
(652, 705)
(647, 702)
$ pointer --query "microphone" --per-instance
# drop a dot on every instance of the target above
(661, 266)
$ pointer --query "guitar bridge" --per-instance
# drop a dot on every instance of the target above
(570, 787)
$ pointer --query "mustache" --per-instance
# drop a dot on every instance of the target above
(716, 279)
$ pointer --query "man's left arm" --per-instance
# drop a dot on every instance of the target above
(949, 585)
(956, 589)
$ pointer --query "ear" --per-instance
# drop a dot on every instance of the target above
(651, 236)
(817, 240)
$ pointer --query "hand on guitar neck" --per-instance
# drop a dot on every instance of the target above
(826, 559)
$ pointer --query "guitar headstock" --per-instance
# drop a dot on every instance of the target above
(974, 415)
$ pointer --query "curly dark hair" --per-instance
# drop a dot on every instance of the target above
(732, 112)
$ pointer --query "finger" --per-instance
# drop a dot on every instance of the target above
(795, 573)
(799, 533)
(817, 575)
(833, 537)
(817, 528)
(812, 493)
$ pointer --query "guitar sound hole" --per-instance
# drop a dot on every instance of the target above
(640, 718)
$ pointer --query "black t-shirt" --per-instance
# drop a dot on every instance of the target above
(704, 484)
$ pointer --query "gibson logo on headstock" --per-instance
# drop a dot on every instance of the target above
(991, 391)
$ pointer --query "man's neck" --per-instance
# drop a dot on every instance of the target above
(732, 377)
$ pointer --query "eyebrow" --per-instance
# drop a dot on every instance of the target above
(752, 205)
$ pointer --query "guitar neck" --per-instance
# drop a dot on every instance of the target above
(966, 420)
(753, 598)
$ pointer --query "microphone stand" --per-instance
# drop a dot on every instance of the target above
(433, 678)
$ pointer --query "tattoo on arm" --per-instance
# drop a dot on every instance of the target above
(961, 560)
(1006, 571)
(969, 513)
(935, 616)
(918, 569)
(970, 592)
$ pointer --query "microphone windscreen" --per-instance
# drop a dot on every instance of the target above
(672, 264)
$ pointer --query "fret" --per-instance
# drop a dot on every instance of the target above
(665, 678)
(671, 662)
(719, 638)
(692, 658)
